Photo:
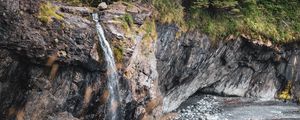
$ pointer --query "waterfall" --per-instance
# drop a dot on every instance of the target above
(112, 81)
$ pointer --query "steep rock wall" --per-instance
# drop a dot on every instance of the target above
(48, 71)
(235, 67)
(56, 71)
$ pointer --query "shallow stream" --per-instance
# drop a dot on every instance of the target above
(209, 107)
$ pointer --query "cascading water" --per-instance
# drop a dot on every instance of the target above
(112, 84)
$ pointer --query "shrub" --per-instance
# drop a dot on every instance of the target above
(170, 11)
(47, 11)
(261, 19)
(127, 22)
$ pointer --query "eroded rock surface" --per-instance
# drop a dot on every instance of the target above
(47, 70)
(236, 67)
(56, 70)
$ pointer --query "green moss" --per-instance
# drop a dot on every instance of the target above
(286, 93)
(118, 53)
(128, 19)
(127, 23)
(47, 11)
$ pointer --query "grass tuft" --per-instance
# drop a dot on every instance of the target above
(170, 11)
(47, 12)
(118, 53)
(127, 22)
(150, 34)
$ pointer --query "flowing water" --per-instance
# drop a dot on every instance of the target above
(209, 107)
(112, 84)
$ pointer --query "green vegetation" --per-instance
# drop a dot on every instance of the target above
(92, 3)
(47, 11)
(266, 20)
(149, 28)
(170, 11)
(128, 19)
(285, 94)
(127, 22)
(275, 20)
(118, 53)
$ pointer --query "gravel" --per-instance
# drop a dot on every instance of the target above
(208, 107)
(200, 108)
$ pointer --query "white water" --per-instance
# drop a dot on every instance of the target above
(209, 107)
(112, 84)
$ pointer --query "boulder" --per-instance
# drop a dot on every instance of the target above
(102, 6)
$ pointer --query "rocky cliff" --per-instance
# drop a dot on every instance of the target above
(234, 67)
(56, 70)
(47, 69)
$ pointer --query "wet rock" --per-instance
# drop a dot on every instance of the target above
(139, 62)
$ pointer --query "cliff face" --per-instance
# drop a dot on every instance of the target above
(56, 70)
(47, 70)
(234, 67)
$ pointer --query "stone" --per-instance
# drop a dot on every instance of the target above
(61, 53)
(102, 6)
(56, 40)
(133, 9)
(94, 53)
